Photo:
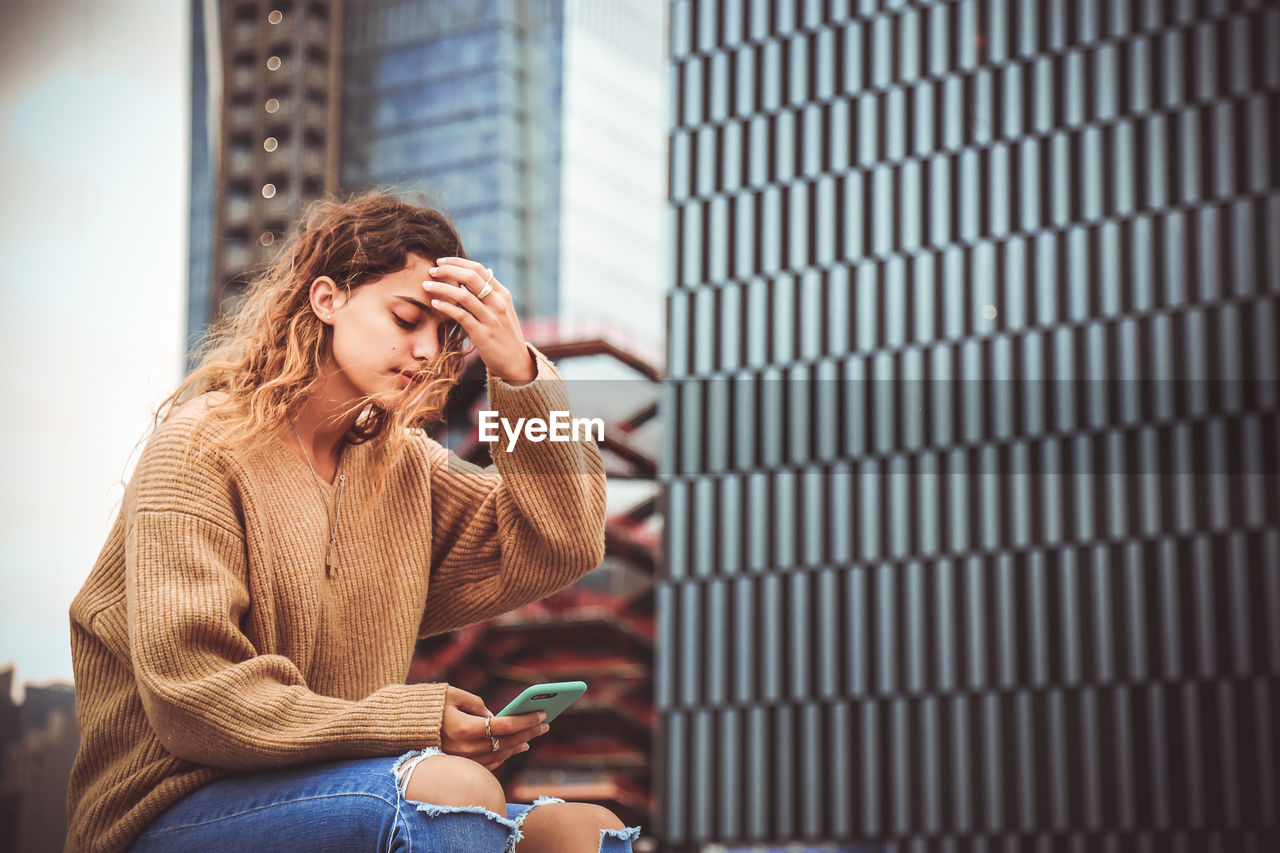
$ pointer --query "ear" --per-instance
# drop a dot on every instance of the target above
(326, 297)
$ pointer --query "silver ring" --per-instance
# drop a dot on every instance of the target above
(488, 287)
(493, 741)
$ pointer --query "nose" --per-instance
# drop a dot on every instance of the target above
(426, 344)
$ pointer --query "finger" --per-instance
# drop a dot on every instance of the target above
(472, 278)
(479, 268)
(495, 759)
(514, 740)
(516, 723)
(510, 746)
(468, 263)
(469, 702)
(474, 281)
(511, 740)
(479, 308)
(468, 321)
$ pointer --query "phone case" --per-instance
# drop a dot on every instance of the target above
(551, 698)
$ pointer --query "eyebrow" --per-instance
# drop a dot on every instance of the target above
(426, 308)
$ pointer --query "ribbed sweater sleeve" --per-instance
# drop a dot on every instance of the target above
(508, 535)
(209, 696)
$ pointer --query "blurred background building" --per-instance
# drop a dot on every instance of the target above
(972, 518)
(38, 741)
(539, 125)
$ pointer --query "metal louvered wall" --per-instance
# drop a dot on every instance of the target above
(972, 480)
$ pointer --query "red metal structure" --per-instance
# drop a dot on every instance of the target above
(600, 630)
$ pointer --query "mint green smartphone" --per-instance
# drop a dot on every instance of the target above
(551, 698)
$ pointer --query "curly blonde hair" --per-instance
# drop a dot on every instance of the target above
(264, 357)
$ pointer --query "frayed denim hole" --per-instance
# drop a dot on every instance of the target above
(519, 833)
(404, 765)
(433, 810)
(513, 831)
(401, 771)
(618, 840)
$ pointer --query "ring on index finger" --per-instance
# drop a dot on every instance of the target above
(493, 741)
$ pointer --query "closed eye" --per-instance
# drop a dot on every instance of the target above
(419, 310)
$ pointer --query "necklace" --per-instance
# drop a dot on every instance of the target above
(331, 524)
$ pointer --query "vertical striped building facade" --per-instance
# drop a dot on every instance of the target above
(972, 484)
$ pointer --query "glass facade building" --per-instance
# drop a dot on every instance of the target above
(460, 100)
(539, 125)
(201, 202)
(973, 515)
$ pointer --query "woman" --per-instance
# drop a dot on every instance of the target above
(242, 642)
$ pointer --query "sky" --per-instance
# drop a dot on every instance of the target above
(94, 164)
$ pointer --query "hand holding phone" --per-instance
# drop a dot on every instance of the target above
(468, 728)
(551, 698)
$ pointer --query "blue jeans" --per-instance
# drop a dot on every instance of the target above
(342, 806)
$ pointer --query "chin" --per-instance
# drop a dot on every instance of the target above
(404, 398)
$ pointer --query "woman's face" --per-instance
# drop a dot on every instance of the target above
(383, 333)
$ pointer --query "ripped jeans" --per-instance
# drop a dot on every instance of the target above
(340, 806)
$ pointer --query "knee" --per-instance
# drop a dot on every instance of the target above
(587, 815)
(451, 780)
(602, 817)
(557, 827)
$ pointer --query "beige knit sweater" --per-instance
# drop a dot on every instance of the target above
(208, 638)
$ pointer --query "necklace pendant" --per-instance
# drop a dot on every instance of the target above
(337, 513)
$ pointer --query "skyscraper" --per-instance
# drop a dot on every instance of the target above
(461, 100)
(264, 135)
(539, 125)
(973, 534)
